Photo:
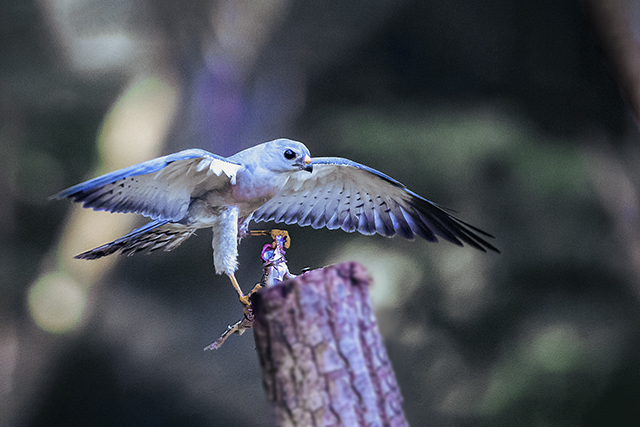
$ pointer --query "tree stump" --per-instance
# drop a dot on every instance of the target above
(322, 356)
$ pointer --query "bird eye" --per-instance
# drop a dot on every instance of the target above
(289, 154)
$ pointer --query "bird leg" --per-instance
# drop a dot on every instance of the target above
(255, 289)
(275, 234)
(244, 299)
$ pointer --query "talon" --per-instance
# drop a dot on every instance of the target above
(284, 234)
(246, 303)
(244, 300)
(255, 289)
(280, 237)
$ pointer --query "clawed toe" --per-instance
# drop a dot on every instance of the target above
(280, 237)
(283, 235)
(244, 300)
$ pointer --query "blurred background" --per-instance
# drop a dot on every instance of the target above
(517, 114)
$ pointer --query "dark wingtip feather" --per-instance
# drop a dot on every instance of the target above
(476, 229)
(448, 226)
(91, 255)
(472, 238)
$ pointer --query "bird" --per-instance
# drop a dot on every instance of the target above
(273, 181)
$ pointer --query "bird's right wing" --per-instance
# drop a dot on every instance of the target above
(160, 188)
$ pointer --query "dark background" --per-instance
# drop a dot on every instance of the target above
(505, 111)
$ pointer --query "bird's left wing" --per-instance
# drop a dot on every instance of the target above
(340, 193)
(160, 188)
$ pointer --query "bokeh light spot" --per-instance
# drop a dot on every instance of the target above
(56, 302)
(557, 349)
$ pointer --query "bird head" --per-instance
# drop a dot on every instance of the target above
(285, 155)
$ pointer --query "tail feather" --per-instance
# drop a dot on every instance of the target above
(148, 238)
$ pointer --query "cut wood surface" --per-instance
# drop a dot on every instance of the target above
(323, 359)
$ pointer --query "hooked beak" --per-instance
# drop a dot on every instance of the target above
(308, 166)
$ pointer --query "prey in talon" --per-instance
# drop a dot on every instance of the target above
(274, 181)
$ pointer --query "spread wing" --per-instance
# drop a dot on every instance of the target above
(160, 188)
(344, 194)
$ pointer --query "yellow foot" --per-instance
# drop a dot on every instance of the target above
(284, 234)
(244, 299)
(274, 235)
(246, 305)
(255, 289)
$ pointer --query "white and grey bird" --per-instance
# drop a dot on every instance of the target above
(274, 181)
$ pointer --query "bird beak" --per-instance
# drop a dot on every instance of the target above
(308, 166)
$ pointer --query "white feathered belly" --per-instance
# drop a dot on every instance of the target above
(247, 195)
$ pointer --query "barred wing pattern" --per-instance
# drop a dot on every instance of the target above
(344, 194)
(160, 188)
(148, 238)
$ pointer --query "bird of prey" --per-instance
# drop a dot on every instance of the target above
(274, 181)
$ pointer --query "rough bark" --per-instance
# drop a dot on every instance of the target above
(323, 359)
